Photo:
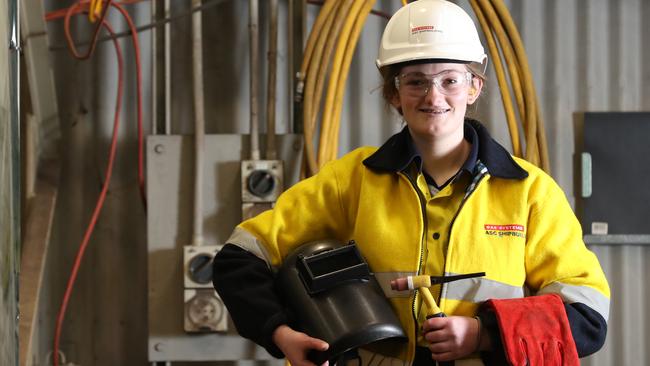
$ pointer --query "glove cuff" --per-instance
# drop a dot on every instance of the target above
(536, 330)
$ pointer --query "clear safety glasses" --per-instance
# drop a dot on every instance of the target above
(448, 82)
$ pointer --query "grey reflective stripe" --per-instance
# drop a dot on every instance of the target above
(480, 289)
(582, 294)
(250, 243)
(384, 279)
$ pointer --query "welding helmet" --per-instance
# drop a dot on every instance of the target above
(333, 296)
(430, 29)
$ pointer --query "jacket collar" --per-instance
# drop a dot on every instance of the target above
(399, 152)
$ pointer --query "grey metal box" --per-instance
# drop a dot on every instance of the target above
(170, 169)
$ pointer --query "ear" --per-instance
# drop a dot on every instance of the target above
(396, 103)
(474, 90)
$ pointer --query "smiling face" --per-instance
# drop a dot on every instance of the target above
(436, 115)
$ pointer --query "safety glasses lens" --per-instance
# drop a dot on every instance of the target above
(447, 82)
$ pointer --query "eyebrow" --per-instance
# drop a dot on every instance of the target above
(424, 73)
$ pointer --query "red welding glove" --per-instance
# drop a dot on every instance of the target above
(535, 331)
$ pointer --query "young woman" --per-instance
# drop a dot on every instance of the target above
(439, 198)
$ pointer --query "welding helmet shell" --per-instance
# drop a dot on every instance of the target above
(333, 296)
(430, 29)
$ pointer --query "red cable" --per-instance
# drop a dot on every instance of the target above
(81, 7)
(136, 46)
(102, 195)
(77, 8)
(60, 13)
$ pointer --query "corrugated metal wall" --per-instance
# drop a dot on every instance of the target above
(585, 55)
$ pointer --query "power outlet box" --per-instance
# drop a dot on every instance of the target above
(261, 180)
(197, 265)
(204, 310)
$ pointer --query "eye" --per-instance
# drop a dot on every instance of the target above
(450, 81)
(416, 81)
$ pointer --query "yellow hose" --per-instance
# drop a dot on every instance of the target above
(342, 21)
(514, 71)
(312, 41)
(315, 32)
(521, 54)
(340, 89)
(506, 97)
(529, 90)
(312, 75)
(494, 17)
(339, 32)
(330, 99)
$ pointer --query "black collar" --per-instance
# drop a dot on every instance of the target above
(399, 152)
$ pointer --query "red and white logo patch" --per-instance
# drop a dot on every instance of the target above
(505, 230)
(424, 29)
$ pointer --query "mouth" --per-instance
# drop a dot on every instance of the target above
(435, 110)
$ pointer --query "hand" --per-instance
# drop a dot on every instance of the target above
(296, 345)
(451, 337)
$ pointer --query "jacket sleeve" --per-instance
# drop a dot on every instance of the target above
(244, 269)
(246, 285)
(558, 262)
(310, 210)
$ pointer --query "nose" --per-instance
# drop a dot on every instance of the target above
(433, 93)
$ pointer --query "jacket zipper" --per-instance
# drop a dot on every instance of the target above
(483, 173)
(422, 241)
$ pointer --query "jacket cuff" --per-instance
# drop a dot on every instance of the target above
(496, 356)
(268, 328)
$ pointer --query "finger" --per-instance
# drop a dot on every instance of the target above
(531, 353)
(436, 336)
(433, 324)
(440, 347)
(317, 344)
(552, 353)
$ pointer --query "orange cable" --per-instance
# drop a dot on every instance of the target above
(80, 8)
(136, 46)
(104, 191)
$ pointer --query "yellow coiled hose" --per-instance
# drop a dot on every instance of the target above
(495, 20)
(341, 22)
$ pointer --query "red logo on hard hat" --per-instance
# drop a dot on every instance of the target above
(424, 28)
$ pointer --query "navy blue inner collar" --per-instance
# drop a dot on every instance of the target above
(399, 152)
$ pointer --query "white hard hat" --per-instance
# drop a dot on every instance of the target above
(430, 29)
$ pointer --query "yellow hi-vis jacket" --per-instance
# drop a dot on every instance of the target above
(514, 224)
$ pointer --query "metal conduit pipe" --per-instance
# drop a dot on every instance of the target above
(154, 68)
(270, 101)
(254, 58)
(199, 123)
(168, 70)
